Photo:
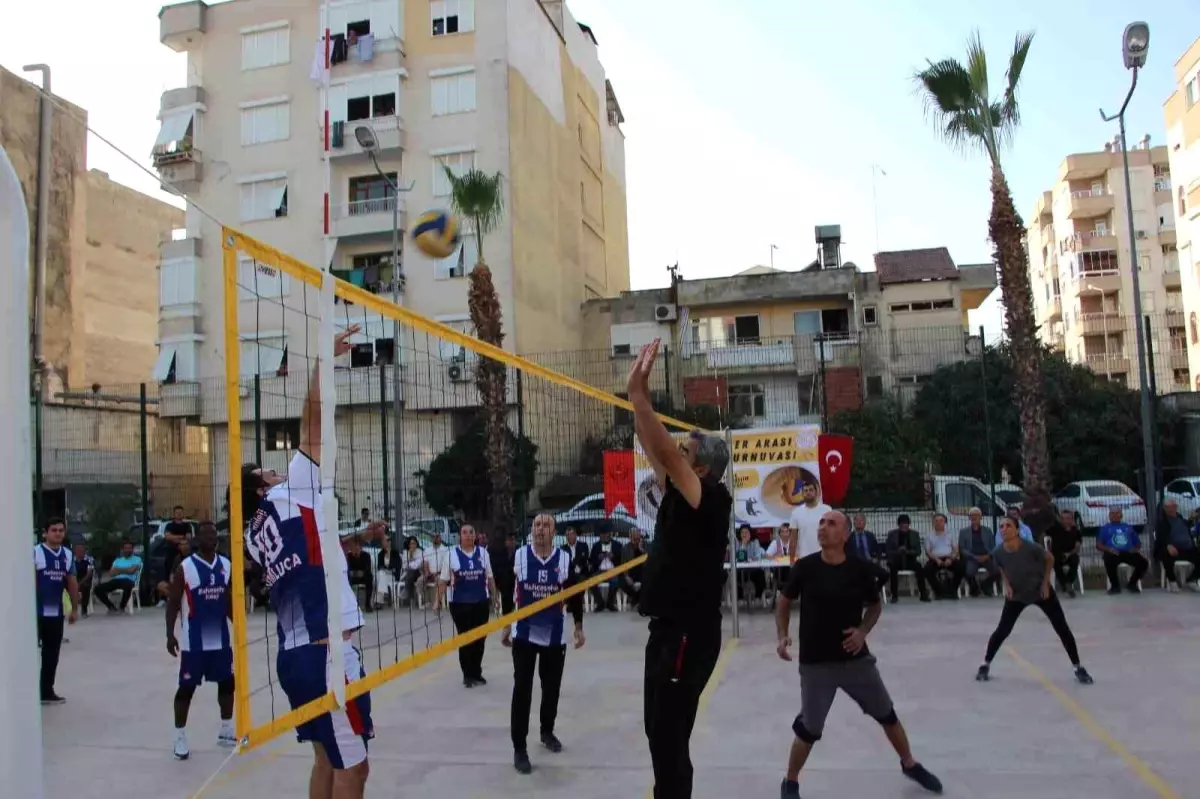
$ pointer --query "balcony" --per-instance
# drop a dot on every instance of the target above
(1083, 166)
(752, 356)
(1171, 278)
(1101, 322)
(1054, 309)
(1106, 363)
(1166, 235)
(1043, 211)
(1098, 281)
(181, 26)
(1162, 190)
(1178, 356)
(1088, 203)
(389, 132)
(1174, 315)
(366, 219)
(1090, 240)
(180, 167)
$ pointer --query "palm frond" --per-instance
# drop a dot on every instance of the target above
(479, 197)
(1016, 63)
(951, 105)
(977, 67)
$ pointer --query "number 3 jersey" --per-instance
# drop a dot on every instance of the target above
(204, 624)
(284, 537)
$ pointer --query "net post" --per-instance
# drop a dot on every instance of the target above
(733, 575)
(330, 543)
(21, 745)
(233, 413)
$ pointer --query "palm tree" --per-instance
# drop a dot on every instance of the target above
(958, 100)
(477, 196)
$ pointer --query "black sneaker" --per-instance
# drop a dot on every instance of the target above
(921, 776)
(521, 762)
(480, 681)
(1082, 675)
(469, 682)
(1116, 589)
(925, 598)
(984, 674)
(1134, 588)
(789, 789)
(52, 699)
(551, 742)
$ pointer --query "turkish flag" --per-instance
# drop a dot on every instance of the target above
(835, 454)
(618, 481)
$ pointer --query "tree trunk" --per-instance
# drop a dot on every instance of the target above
(1007, 232)
(491, 378)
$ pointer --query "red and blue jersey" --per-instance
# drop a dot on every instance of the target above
(284, 537)
(52, 566)
(204, 623)
(536, 579)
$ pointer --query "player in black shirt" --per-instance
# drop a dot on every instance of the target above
(833, 653)
(681, 583)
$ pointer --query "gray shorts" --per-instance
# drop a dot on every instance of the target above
(819, 683)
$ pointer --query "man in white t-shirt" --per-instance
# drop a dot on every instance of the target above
(806, 518)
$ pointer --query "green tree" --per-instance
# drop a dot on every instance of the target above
(458, 480)
(958, 98)
(891, 455)
(479, 197)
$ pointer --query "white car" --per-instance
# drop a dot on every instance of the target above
(1090, 501)
(1186, 493)
(1010, 494)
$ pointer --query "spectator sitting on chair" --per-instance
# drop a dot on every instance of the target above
(1023, 529)
(579, 554)
(1173, 543)
(783, 544)
(975, 544)
(605, 555)
(1065, 542)
(1119, 543)
(631, 581)
(943, 568)
(388, 567)
(416, 570)
(750, 551)
(358, 569)
(904, 554)
(85, 571)
(121, 577)
(864, 545)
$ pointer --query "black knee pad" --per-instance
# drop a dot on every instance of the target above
(225, 687)
(802, 732)
(890, 719)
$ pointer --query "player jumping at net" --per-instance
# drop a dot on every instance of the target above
(541, 570)
(200, 586)
(1026, 569)
(285, 524)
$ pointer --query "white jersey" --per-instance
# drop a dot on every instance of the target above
(805, 521)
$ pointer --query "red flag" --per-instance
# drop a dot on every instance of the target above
(618, 481)
(836, 454)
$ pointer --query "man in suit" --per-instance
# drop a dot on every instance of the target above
(864, 545)
(606, 554)
(904, 554)
(579, 553)
(975, 544)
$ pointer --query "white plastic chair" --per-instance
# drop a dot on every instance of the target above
(1176, 577)
(1124, 573)
(135, 597)
(964, 589)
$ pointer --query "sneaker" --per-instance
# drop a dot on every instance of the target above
(551, 742)
(52, 699)
(480, 681)
(521, 762)
(789, 789)
(1116, 589)
(180, 747)
(1172, 588)
(226, 736)
(921, 776)
(468, 682)
(1134, 588)
(984, 674)
(1081, 674)
(925, 598)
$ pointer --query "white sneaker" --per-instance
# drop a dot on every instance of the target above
(1172, 588)
(226, 736)
(180, 749)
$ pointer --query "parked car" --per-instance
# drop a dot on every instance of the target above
(588, 511)
(1186, 493)
(1091, 500)
(1010, 493)
(154, 558)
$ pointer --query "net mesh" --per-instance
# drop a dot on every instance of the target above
(419, 409)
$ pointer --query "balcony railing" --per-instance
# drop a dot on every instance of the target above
(1090, 193)
(381, 205)
(1162, 184)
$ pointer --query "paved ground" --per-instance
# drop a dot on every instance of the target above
(1031, 732)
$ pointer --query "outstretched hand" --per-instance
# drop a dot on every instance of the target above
(639, 373)
(341, 342)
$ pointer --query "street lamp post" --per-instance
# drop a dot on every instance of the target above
(1134, 45)
(370, 145)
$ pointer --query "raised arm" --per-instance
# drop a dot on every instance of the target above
(658, 444)
(310, 415)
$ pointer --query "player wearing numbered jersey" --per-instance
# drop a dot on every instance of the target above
(200, 587)
(467, 584)
(54, 568)
(284, 528)
(540, 570)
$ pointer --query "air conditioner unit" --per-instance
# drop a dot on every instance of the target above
(457, 372)
(665, 312)
(1141, 234)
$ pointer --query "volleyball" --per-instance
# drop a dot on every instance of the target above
(436, 233)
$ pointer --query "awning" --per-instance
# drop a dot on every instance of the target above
(166, 360)
(174, 127)
(277, 195)
(262, 357)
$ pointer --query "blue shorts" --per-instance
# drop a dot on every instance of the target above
(208, 665)
(304, 674)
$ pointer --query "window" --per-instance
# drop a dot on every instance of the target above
(458, 163)
(961, 497)
(459, 262)
(807, 323)
(452, 16)
(263, 355)
(1094, 261)
(747, 400)
(364, 190)
(742, 329)
(362, 355)
(913, 380)
(177, 282)
(365, 98)
(359, 28)
(165, 366)
(1189, 92)
(870, 315)
(453, 94)
(266, 46)
(622, 349)
(263, 199)
(874, 386)
(808, 400)
(385, 351)
(265, 122)
(1147, 302)
(281, 434)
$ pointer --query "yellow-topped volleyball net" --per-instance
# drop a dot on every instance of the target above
(421, 427)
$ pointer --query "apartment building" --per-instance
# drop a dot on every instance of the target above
(774, 347)
(103, 248)
(1080, 266)
(263, 137)
(1182, 112)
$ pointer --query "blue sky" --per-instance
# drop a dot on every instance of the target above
(748, 123)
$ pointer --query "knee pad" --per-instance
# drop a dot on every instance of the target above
(803, 733)
(225, 687)
(890, 719)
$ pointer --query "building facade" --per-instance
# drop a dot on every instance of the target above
(1080, 265)
(103, 248)
(1182, 114)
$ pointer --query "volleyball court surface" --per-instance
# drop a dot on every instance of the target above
(1030, 732)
